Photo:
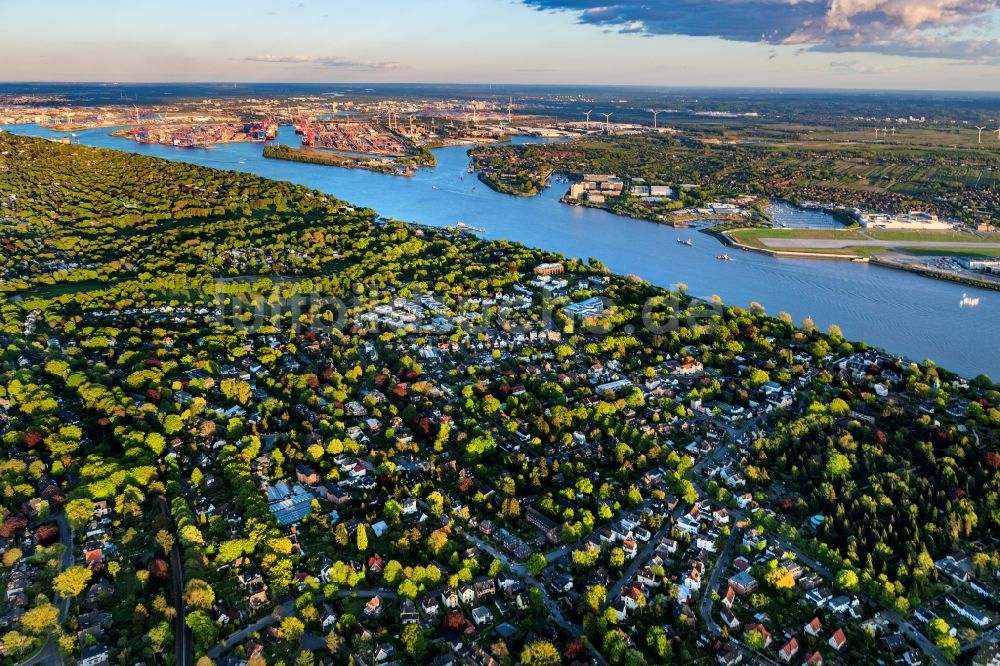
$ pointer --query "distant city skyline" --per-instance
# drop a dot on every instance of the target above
(880, 44)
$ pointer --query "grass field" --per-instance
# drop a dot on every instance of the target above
(951, 252)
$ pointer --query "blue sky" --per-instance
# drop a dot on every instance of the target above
(912, 44)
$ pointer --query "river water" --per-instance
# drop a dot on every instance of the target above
(905, 313)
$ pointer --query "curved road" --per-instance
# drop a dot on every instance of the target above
(49, 652)
(183, 638)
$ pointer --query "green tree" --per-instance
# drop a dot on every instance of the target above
(536, 563)
(594, 597)
(847, 580)
(199, 594)
(939, 631)
(40, 619)
(838, 465)
(79, 512)
(414, 642)
(72, 582)
(204, 630)
(166, 541)
(540, 653)
(292, 628)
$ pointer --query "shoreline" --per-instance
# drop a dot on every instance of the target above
(878, 261)
(314, 156)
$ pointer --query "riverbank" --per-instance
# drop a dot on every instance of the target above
(329, 158)
(894, 309)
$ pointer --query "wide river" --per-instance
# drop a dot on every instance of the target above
(905, 313)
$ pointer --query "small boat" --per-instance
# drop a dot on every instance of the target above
(473, 188)
(969, 301)
(724, 257)
(685, 242)
(434, 187)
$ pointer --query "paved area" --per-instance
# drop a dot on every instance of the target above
(836, 244)
(49, 655)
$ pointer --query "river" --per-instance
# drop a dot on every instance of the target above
(905, 313)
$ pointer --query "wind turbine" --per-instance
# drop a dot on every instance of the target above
(587, 115)
(876, 132)
(510, 107)
(997, 132)
(607, 122)
(981, 133)
(894, 130)
(655, 114)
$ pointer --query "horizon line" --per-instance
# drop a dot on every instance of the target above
(762, 88)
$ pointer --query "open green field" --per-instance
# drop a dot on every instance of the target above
(951, 252)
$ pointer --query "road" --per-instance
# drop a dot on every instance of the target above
(284, 610)
(287, 609)
(721, 564)
(280, 612)
(705, 607)
(913, 633)
(909, 630)
(183, 637)
(553, 608)
(641, 558)
(49, 652)
(984, 638)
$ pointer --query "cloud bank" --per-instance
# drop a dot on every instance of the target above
(958, 29)
(327, 62)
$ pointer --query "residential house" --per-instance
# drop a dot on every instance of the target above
(481, 615)
(430, 605)
(327, 617)
(449, 597)
(814, 659)
(760, 629)
(743, 583)
(374, 606)
(788, 650)
(95, 655)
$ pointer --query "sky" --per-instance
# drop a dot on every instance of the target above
(872, 44)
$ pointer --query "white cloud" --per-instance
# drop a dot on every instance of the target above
(328, 62)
